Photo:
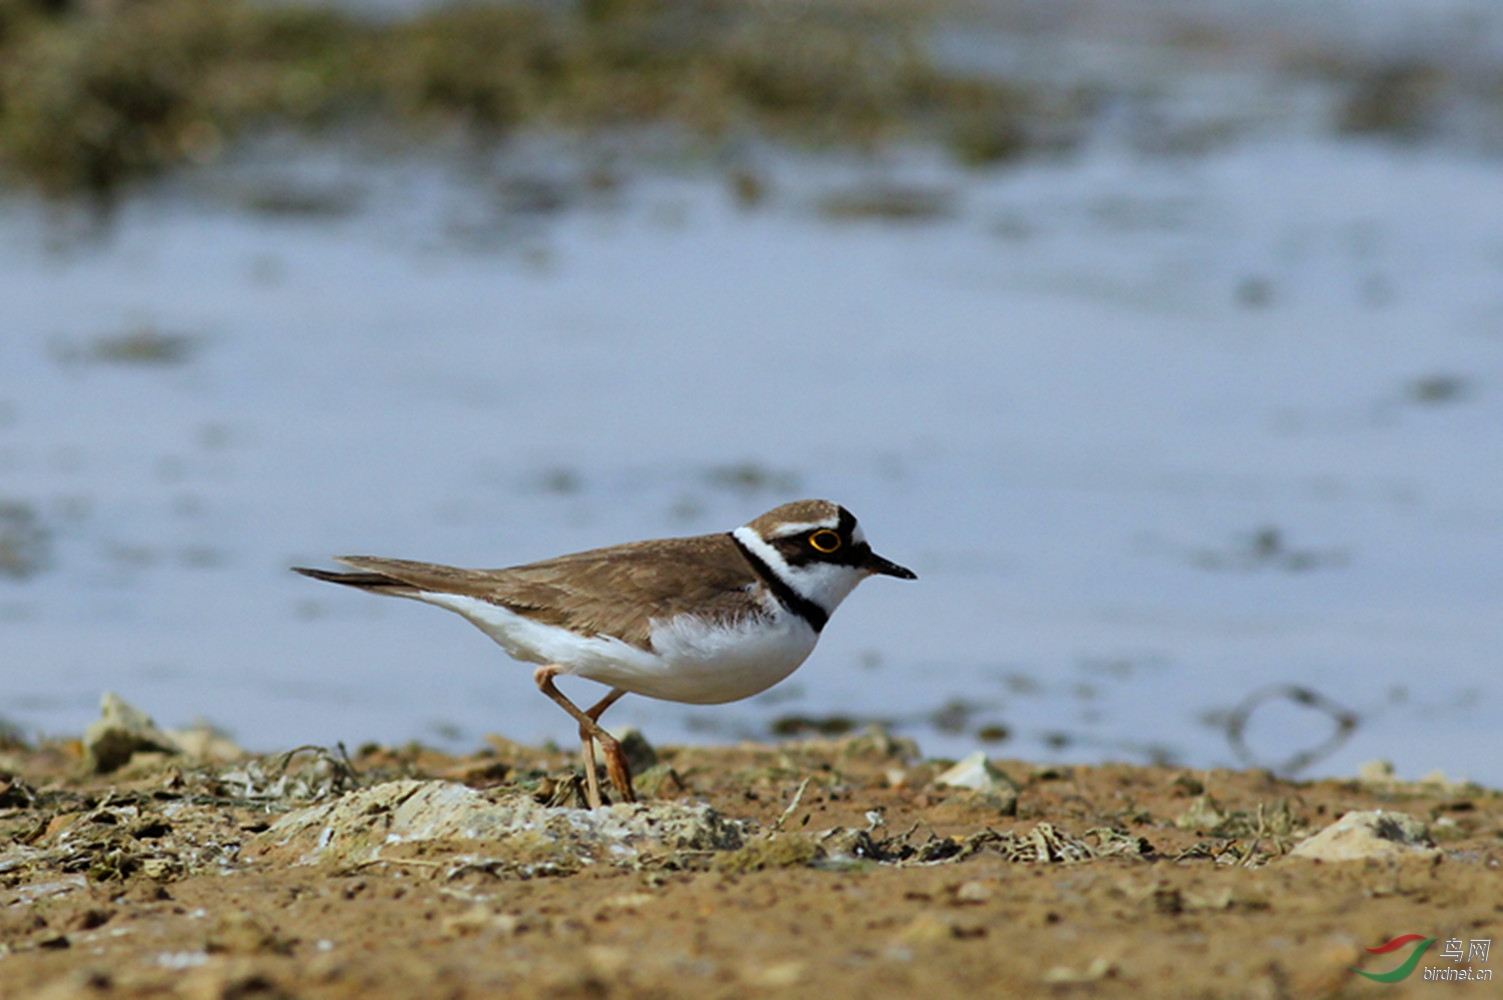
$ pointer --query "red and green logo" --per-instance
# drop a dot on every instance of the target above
(1403, 971)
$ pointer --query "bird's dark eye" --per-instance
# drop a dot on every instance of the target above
(824, 540)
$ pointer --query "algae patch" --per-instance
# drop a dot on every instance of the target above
(95, 96)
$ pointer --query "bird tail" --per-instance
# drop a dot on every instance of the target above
(376, 582)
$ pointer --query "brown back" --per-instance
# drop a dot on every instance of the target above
(614, 591)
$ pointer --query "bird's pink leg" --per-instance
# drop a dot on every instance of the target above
(591, 732)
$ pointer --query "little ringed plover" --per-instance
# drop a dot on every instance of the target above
(701, 620)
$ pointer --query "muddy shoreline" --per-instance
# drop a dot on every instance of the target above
(842, 868)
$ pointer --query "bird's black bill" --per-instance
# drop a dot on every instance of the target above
(876, 564)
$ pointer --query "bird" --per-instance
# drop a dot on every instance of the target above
(700, 620)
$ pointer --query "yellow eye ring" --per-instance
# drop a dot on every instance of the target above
(824, 540)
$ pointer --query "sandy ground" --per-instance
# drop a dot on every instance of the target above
(167, 879)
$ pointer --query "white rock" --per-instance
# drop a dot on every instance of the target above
(1360, 835)
(357, 828)
(976, 772)
(204, 743)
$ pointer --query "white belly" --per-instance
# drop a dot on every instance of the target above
(691, 662)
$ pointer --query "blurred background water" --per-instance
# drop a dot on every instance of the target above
(1182, 383)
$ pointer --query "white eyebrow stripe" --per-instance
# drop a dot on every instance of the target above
(800, 528)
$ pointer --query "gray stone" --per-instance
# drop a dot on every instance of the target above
(121, 731)
(640, 756)
(1203, 814)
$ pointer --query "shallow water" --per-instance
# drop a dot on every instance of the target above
(1154, 433)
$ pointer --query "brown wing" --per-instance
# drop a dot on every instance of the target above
(613, 591)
